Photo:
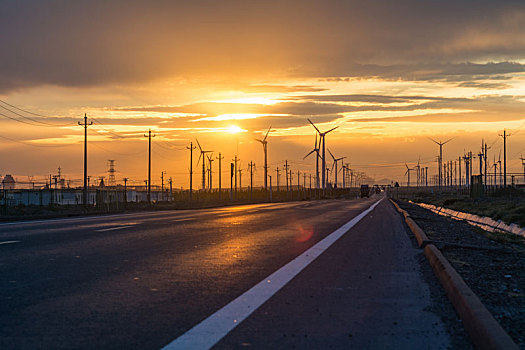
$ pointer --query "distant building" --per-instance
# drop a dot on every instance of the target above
(8, 183)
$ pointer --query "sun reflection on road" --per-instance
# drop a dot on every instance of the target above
(304, 233)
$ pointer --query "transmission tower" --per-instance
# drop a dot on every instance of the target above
(111, 172)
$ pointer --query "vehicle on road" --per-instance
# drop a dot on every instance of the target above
(365, 191)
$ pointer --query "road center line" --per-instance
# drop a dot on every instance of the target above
(207, 333)
(9, 242)
(114, 228)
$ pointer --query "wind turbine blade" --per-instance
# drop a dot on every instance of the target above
(315, 141)
(200, 155)
(312, 151)
(267, 133)
(406, 165)
(199, 144)
(431, 139)
(449, 140)
(261, 141)
(332, 129)
(331, 155)
(313, 125)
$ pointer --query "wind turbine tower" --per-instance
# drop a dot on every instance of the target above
(335, 164)
(408, 173)
(203, 156)
(440, 144)
(264, 143)
(316, 150)
(323, 142)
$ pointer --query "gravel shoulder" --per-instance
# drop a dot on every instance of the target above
(493, 265)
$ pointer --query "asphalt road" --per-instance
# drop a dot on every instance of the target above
(139, 281)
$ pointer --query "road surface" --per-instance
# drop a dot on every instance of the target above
(142, 280)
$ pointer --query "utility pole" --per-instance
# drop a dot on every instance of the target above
(298, 184)
(220, 158)
(523, 164)
(210, 175)
(250, 166)
(171, 188)
(480, 155)
(162, 184)
(235, 174)
(277, 171)
(485, 159)
(470, 164)
(191, 148)
(286, 172)
(505, 135)
(232, 172)
(85, 192)
(125, 190)
(149, 136)
(459, 168)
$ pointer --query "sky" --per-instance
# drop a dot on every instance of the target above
(389, 74)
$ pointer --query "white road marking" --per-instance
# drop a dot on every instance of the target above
(207, 333)
(114, 228)
(9, 242)
(185, 219)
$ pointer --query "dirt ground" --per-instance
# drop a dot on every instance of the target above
(493, 265)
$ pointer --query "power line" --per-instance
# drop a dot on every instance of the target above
(18, 120)
(32, 145)
(28, 118)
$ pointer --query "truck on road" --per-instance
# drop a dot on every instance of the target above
(365, 191)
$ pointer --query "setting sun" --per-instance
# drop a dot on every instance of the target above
(234, 129)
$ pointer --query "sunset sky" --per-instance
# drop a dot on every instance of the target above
(389, 74)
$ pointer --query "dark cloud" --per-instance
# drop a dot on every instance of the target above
(95, 42)
(484, 85)
(450, 72)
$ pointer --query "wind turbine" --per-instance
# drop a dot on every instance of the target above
(316, 150)
(408, 173)
(440, 174)
(322, 140)
(335, 164)
(264, 143)
(202, 155)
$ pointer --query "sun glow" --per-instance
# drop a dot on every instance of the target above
(234, 129)
(251, 100)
